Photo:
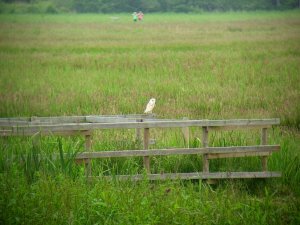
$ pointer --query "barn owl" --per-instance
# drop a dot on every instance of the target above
(150, 106)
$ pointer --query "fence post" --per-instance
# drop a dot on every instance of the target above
(205, 145)
(146, 146)
(138, 137)
(264, 159)
(87, 162)
(186, 134)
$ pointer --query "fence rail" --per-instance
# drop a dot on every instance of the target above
(34, 120)
(29, 129)
(193, 176)
(179, 151)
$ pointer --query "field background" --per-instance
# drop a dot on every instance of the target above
(205, 66)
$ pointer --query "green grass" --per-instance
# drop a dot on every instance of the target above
(203, 66)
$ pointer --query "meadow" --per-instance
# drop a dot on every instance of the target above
(201, 66)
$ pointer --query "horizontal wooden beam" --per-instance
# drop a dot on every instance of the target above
(72, 119)
(224, 128)
(5, 133)
(193, 176)
(53, 119)
(125, 116)
(241, 151)
(31, 129)
(25, 119)
(238, 154)
(9, 123)
(97, 119)
(181, 151)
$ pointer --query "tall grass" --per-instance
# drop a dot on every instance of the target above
(195, 69)
(64, 201)
(207, 66)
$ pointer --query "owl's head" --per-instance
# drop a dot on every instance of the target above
(152, 100)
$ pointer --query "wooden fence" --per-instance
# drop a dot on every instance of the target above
(85, 125)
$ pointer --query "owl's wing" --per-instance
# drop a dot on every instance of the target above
(149, 107)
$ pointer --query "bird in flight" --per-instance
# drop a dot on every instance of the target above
(150, 106)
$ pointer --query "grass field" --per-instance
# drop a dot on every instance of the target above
(206, 66)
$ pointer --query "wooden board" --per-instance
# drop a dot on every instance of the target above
(96, 119)
(72, 119)
(5, 133)
(31, 129)
(225, 128)
(193, 176)
(181, 151)
(239, 154)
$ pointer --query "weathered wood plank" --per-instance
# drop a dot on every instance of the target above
(89, 119)
(59, 119)
(15, 119)
(45, 119)
(97, 119)
(181, 151)
(41, 120)
(13, 123)
(264, 150)
(153, 124)
(225, 128)
(73, 119)
(5, 133)
(193, 176)
(238, 154)
(118, 118)
(133, 116)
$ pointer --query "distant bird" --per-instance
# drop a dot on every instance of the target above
(150, 106)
